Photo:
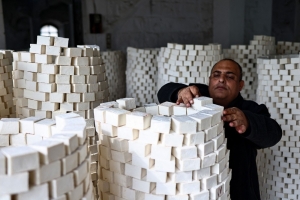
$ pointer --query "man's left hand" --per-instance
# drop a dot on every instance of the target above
(236, 119)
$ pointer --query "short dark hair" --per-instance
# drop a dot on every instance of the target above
(229, 59)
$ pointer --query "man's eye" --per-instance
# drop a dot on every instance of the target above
(230, 77)
(216, 75)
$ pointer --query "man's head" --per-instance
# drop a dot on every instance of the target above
(225, 81)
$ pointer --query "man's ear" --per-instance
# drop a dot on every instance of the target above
(241, 84)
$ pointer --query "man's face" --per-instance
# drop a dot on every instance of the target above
(224, 82)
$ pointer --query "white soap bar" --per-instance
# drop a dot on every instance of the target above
(220, 152)
(43, 127)
(122, 180)
(9, 126)
(161, 152)
(127, 133)
(116, 116)
(13, 184)
(49, 150)
(166, 108)
(20, 159)
(142, 185)
(2, 164)
(4, 141)
(161, 124)
(126, 103)
(213, 107)
(188, 164)
(189, 187)
(179, 109)
(61, 42)
(128, 193)
(31, 139)
(99, 113)
(138, 120)
(139, 148)
(194, 138)
(217, 191)
(142, 161)
(45, 40)
(185, 152)
(153, 196)
(135, 171)
(183, 124)
(203, 121)
(119, 144)
(35, 192)
(215, 116)
(46, 173)
(108, 129)
(208, 160)
(148, 136)
(199, 102)
(156, 176)
(201, 173)
(211, 133)
(206, 148)
(27, 124)
(68, 119)
(172, 140)
(70, 141)
(168, 188)
(209, 182)
(181, 176)
(151, 108)
(218, 141)
(123, 157)
(204, 194)
(61, 185)
(165, 165)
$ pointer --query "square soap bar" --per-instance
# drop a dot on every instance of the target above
(116, 116)
(126, 103)
(200, 102)
(166, 108)
(161, 124)
(138, 120)
(183, 124)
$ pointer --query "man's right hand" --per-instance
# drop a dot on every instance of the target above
(186, 95)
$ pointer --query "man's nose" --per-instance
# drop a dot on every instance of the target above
(222, 78)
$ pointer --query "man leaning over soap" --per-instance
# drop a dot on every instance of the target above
(248, 125)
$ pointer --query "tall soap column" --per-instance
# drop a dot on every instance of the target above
(278, 89)
(7, 108)
(187, 63)
(52, 79)
(115, 65)
(141, 75)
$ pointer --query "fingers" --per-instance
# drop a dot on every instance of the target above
(194, 91)
(186, 96)
(236, 119)
(230, 111)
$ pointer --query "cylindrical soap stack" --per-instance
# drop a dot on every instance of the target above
(115, 65)
(173, 153)
(187, 63)
(36, 165)
(246, 55)
(52, 79)
(287, 47)
(141, 75)
(278, 89)
(7, 108)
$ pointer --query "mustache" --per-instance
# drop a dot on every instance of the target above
(221, 85)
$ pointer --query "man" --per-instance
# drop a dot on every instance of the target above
(248, 126)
